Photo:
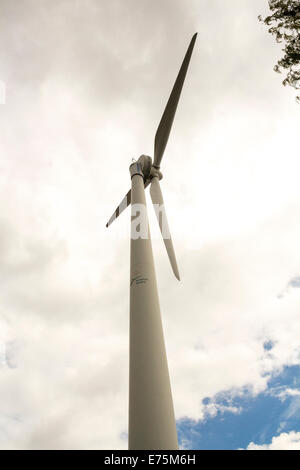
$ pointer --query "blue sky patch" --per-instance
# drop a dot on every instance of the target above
(241, 418)
(294, 283)
(268, 345)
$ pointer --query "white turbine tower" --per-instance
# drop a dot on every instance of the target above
(151, 413)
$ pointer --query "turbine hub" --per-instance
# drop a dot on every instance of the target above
(155, 172)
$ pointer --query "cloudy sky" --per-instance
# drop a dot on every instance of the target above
(86, 82)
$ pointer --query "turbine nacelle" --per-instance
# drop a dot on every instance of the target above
(145, 166)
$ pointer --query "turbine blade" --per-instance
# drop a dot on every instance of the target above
(158, 203)
(164, 128)
(121, 207)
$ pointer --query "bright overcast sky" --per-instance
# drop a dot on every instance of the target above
(85, 85)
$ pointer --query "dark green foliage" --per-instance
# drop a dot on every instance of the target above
(284, 24)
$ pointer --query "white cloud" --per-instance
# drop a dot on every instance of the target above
(212, 409)
(285, 441)
(289, 392)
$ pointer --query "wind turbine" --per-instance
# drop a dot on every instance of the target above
(151, 413)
